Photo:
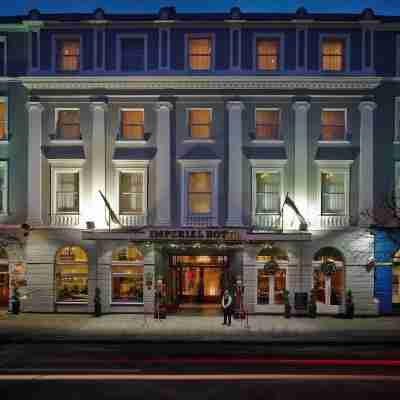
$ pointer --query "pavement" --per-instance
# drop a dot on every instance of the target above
(125, 328)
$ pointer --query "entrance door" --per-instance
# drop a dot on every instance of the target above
(396, 289)
(4, 286)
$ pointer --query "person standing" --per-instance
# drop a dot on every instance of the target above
(227, 304)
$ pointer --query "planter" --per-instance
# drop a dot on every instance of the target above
(288, 310)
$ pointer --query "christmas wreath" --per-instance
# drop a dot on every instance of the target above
(328, 267)
(271, 267)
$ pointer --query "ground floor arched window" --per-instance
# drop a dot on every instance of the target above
(71, 275)
(127, 272)
(4, 278)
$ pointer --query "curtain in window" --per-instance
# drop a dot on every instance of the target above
(333, 125)
(268, 197)
(333, 55)
(132, 125)
(131, 193)
(268, 54)
(68, 192)
(200, 192)
(68, 124)
(200, 54)
(68, 55)
(333, 196)
(132, 54)
(200, 123)
(267, 124)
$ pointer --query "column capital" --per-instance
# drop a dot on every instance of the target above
(235, 106)
(98, 106)
(163, 106)
(302, 105)
(367, 105)
(34, 106)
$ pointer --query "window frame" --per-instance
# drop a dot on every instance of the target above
(120, 138)
(345, 38)
(5, 199)
(188, 37)
(4, 100)
(210, 138)
(397, 178)
(56, 114)
(66, 37)
(281, 56)
(396, 138)
(119, 38)
(261, 140)
(346, 126)
(127, 170)
(127, 264)
(3, 39)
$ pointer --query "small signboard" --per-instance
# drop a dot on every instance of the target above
(300, 300)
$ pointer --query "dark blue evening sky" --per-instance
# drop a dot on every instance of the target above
(15, 7)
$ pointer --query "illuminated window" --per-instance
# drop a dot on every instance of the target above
(333, 51)
(333, 193)
(131, 192)
(132, 125)
(268, 57)
(68, 124)
(3, 187)
(200, 123)
(200, 50)
(68, 53)
(271, 287)
(71, 275)
(267, 124)
(67, 192)
(127, 284)
(3, 120)
(333, 125)
(200, 193)
(268, 192)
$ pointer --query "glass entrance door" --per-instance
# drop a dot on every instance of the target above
(4, 286)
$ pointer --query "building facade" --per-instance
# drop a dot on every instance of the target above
(195, 127)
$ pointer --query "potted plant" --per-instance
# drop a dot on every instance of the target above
(349, 312)
(97, 303)
(15, 302)
(312, 305)
(288, 307)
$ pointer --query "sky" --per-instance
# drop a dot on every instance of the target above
(18, 7)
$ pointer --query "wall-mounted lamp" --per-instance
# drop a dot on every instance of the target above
(90, 225)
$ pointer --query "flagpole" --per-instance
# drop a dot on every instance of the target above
(283, 206)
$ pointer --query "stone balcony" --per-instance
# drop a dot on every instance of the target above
(65, 220)
(133, 219)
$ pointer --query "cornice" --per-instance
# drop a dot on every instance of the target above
(203, 82)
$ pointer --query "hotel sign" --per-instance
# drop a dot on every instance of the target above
(196, 234)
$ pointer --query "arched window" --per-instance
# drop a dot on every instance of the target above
(271, 275)
(71, 275)
(4, 278)
(329, 276)
(396, 280)
(127, 276)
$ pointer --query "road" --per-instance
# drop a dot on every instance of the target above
(197, 371)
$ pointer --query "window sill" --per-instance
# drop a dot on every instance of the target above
(130, 142)
(70, 303)
(266, 141)
(334, 142)
(126, 304)
(4, 141)
(66, 141)
(190, 140)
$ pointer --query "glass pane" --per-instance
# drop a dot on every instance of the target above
(130, 253)
(319, 286)
(200, 54)
(280, 286)
(67, 195)
(212, 282)
(333, 195)
(72, 283)
(337, 287)
(267, 124)
(200, 116)
(127, 284)
(333, 55)
(133, 117)
(2, 121)
(131, 193)
(200, 182)
(200, 131)
(396, 285)
(200, 203)
(190, 281)
(268, 54)
(333, 125)
(262, 287)
(268, 197)
(69, 55)
(133, 132)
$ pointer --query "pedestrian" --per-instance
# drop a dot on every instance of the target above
(227, 304)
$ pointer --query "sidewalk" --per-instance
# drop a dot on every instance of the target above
(262, 329)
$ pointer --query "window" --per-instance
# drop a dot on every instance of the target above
(270, 287)
(68, 124)
(267, 124)
(268, 54)
(132, 125)
(397, 118)
(3, 187)
(71, 275)
(200, 123)
(268, 192)
(132, 53)
(333, 125)
(333, 54)
(67, 192)
(397, 184)
(3, 120)
(131, 193)
(200, 50)
(3, 56)
(200, 193)
(333, 193)
(68, 55)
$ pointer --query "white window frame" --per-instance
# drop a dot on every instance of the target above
(189, 137)
(56, 113)
(54, 52)
(4, 211)
(160, 32)
(334, 167)
(3, 39)
(259, 266)
(340, 36)
(55, 171)
(346, 126)
(396, 138)
(4, 100)
(119, 39)
(189, 166)
(213, 47)
(121, 141)
(396, 179)
(267, 36)
(270, 141)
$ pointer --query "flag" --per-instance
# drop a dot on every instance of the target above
(113, 217)
(288, 201)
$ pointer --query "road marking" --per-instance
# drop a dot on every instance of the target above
(196, 377)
